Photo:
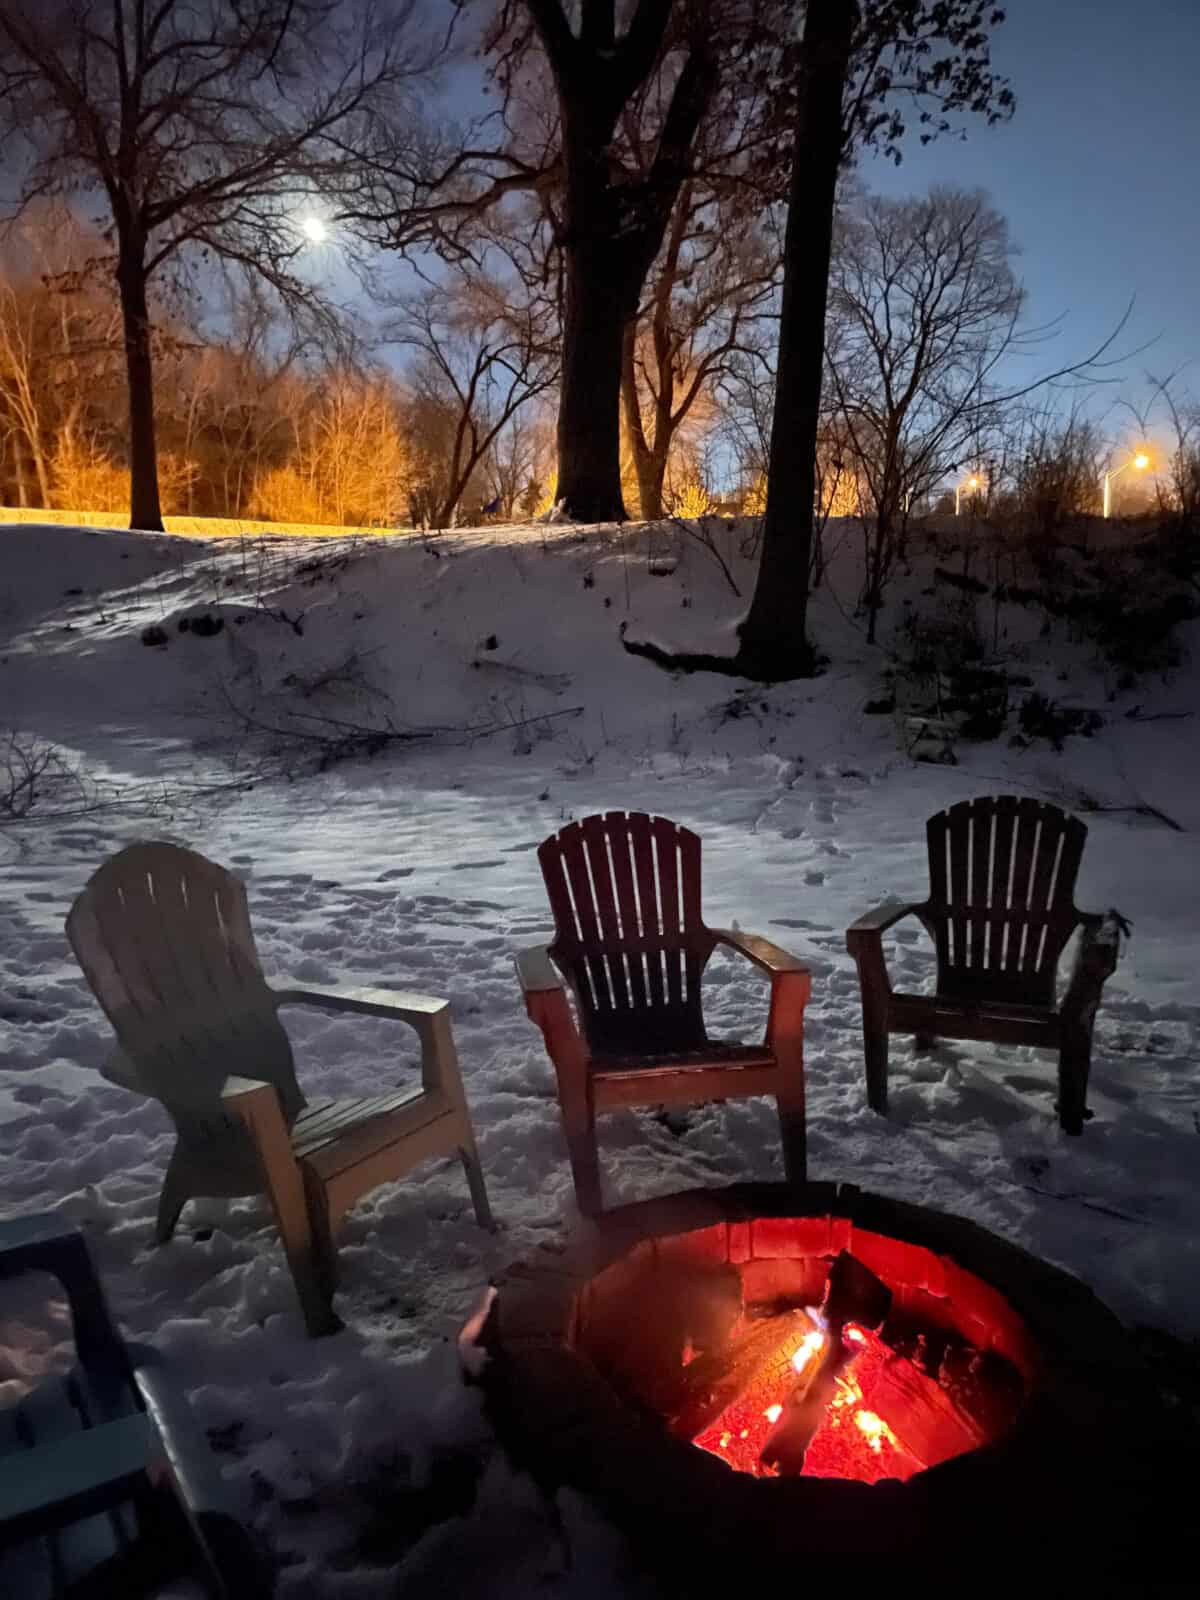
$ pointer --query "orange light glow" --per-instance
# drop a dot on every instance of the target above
(1141, 461)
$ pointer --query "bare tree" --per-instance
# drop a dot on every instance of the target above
(710, 296)
(59, 333)
(927, 305)
(1179, 485)
(350, 464)
(1056, 479)
(487, 347)
(856, 67)
(774, 641)
(205, 127)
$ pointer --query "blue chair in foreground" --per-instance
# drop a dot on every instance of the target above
(107, 1484)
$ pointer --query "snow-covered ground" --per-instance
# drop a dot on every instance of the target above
(415, 869)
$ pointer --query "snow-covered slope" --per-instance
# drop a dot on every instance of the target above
(415, 869)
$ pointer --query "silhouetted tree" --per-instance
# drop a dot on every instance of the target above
(856, 69)
(205, 126)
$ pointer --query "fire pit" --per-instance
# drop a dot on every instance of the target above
(685, 1364)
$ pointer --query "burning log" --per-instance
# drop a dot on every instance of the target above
(852, 1294)
(713, 1381)
(921, 1413)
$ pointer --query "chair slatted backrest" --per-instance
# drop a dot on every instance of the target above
(164, 939)
(1001, 902)
(624, 888)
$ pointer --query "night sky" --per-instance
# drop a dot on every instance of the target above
(1098, 174)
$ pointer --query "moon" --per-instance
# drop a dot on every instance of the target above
(314, 229)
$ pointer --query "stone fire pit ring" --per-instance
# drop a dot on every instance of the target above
(1072, 1486)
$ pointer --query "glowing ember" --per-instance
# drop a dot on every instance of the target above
(876, 1430)
(853, 1441)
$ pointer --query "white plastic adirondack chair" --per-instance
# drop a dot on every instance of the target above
(164, 938)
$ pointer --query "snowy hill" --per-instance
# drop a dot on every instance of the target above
(490, 666)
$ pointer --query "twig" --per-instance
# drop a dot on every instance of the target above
(1092, 1205)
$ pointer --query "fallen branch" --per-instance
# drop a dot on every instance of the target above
(335, 739)
(556, 682)
(1142, 810)
(1138, 715)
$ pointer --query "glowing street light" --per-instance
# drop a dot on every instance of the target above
(973, 484)
(1139, 463)
(314, 230)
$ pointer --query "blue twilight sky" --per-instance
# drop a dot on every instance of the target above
(1098, 174)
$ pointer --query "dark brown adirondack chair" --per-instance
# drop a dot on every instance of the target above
(1000, 911)
(632, 945)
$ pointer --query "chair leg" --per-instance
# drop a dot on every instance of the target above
(479, 1199)
(793, 1133)
(286, 1189)
(793, 1125)
(579, 1124)
(1074, 1068)
(176, 1193)
(875, 1050)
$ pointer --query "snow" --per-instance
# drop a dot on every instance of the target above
(362, 1459)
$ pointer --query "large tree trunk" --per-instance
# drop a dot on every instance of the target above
(144, 509)
(612, 229)
(599, 304)
(774, 643)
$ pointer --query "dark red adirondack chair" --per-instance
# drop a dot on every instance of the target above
(632, 945)
(1000, 911)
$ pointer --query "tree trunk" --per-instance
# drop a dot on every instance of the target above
(589, 414)
(144, 509)
(773, 638)
(19, 468)
(649, 462)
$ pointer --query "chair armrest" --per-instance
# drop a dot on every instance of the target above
(547, 1006)
(231, 1555)
(71, 1477)
(411, 1008)
(878, 921)
(535, 970)
(39, 1240)
(770, 957)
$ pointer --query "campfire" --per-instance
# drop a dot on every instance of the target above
(871, 1377)
(819, 1393)
(792, 1373)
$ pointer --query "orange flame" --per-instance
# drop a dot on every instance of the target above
(809, 1346)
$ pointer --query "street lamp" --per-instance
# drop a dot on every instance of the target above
(1138, 462)
(972, 484)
